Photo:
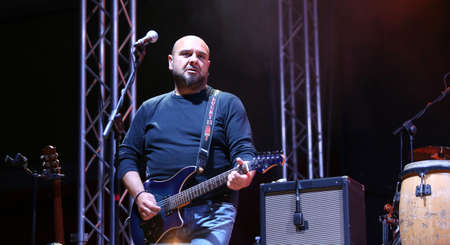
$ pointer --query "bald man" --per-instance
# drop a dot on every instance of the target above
(164, 138)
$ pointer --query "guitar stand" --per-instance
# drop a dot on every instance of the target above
(47, 175)
(20, 161)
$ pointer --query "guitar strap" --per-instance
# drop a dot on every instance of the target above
(207, 130)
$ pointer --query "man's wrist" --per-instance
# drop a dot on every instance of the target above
(139, 193)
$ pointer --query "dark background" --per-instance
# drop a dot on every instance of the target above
(381, 62)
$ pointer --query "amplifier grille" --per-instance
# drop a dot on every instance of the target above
(323, 209)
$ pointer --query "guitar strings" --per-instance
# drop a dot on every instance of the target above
(179, 198)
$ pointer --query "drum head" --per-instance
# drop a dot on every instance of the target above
(425, 166)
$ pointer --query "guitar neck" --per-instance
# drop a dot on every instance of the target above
(196, 191)
(53, 168)
(261, 163)
(58, 212)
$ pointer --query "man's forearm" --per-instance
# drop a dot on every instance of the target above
(133, 183)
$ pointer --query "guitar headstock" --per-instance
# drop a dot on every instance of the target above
(262, 162)
(50, 160)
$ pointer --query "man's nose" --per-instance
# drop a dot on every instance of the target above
(193, 59)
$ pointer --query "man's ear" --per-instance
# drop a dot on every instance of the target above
(170, 59)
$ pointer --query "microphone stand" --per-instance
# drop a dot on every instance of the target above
(409, 127)
(116, 119)
(135, 51)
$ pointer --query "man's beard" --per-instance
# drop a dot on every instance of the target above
(188, 81)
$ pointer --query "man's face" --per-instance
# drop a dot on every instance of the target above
(189, 61)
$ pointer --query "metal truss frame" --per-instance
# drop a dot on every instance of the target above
(301, 117)
(105, 63)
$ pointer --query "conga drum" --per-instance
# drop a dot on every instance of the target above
(424, 210)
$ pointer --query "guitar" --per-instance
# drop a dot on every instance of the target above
(52, 168)
(170, 197)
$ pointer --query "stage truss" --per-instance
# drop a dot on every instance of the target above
(103, 74)
(104, 67)
(301, 118)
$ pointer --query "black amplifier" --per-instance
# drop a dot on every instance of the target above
(333, 212)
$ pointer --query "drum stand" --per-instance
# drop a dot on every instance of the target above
(389, 223)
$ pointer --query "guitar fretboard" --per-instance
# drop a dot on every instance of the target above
(261, 162)
(193, 192)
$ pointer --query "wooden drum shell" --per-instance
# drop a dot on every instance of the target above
(425, 220)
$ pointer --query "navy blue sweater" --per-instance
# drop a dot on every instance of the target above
(165, 136)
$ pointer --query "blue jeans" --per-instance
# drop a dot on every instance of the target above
(206, 224)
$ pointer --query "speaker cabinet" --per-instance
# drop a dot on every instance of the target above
(333, 210)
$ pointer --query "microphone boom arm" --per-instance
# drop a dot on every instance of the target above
(408, 123)
(130, 82)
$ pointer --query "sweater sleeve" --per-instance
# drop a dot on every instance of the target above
(131, 149)
(238, 131)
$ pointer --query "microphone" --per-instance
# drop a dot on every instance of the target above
(150, 37)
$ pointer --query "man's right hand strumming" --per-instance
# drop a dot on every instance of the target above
(145, 202)
(147, 205)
